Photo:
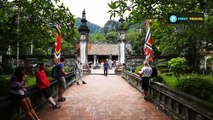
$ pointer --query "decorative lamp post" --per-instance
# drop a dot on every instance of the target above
(84, 37)
(121, 33)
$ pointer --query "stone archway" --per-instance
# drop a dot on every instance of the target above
(96, 57)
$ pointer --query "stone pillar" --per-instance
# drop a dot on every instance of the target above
(122, 47)
(121, 30)
(110, 61)
(83, 52)
(84, 37)
(95, 60)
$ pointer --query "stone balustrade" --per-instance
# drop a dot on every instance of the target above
(176, 104)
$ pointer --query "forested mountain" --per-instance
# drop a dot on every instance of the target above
(94, 28)
(109, 26)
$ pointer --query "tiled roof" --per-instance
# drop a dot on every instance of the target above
(103, 49)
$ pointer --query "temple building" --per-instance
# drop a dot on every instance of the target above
(97, 53)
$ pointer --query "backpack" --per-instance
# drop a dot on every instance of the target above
(154, 72)
(54, 72)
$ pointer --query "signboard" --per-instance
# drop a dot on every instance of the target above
(185, 18)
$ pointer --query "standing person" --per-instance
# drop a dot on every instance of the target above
(116, 64)
(106, 65)
(102, 63)
(90, 64)
(20, 93)
(146, 72)
(59, 68)
(79, 73)
(43, 85)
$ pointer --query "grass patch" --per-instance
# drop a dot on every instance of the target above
(31, 80)
(170, 81)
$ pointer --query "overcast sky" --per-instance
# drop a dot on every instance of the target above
(96, 10)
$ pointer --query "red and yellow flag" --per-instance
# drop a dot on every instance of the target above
(57, 46)
(148, 51)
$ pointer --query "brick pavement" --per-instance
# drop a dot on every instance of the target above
(103, 98)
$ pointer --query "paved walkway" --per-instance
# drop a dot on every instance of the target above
(103, 98)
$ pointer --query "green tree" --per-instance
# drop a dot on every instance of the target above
(39, 51)
(97, 38)
(66, 48)
(177, 66)
(171, 40)
(137, 42)
(111, 37)
(33, 21)
(175, 40)
(157, 9)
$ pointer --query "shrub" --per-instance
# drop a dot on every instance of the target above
(162, 66)
(138, 69)
(169, 80)
(8, 70)
(197, 86)
(68, 69)
(177, 66)
(163, 70)
(48, 71)
(158, 78)
(31, 81)
(5, 88)
(39, 51)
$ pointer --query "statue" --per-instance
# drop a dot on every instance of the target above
(84, 14)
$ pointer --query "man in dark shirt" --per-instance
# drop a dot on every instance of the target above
(106, 65)
(61, 80)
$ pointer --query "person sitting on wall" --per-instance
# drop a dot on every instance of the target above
(20, 93)
(43, 85)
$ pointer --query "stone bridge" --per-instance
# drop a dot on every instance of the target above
(103, 98)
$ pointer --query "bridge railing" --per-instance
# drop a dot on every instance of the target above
(176, 104)
(10, 110)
